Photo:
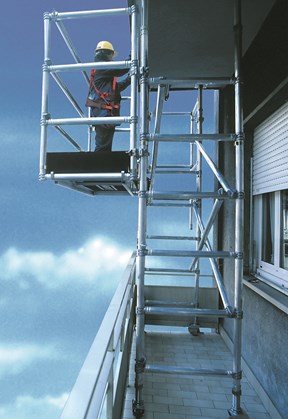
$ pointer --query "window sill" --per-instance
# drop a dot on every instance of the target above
(277, 298)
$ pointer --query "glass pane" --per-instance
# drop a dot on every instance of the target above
(284, 230)
(268, 217)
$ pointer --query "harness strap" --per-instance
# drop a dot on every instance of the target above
(110, 105)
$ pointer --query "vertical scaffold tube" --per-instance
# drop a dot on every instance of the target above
(199, 204)
(239, 214)
(44, 105)
(134, 92)
(138, 403)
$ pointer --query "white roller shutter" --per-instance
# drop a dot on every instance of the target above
(270, 153)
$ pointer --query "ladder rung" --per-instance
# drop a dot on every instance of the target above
(192, 253)
(190, 138)
(185, 195)
(169, 369)
(183, 304)
(172, 272)
(182, 312)
(194, 238)
(175, 172)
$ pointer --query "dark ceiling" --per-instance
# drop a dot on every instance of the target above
(194, 38)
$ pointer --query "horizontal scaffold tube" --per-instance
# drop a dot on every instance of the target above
(182, 304)
(94, 177)
(192, 253)
(192, 82)
(167, 369)
(88, 13)
(190, 138)
(90, 121)
(89, 66)
(183, 312)
(167, 271)
(172, 237)
(185, 195)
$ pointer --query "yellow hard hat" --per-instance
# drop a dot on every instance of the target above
(105, 45)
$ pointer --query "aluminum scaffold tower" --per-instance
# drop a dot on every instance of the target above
(194, 199)
(138, 171)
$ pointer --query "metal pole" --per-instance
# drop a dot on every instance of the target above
(70, 46)
(159, 369)
(239, 214)
(134, 92)
(215, 269)
(88, 13)
(227, 188)
(195, 325)
(138, 403)
(158, 116)
(45, 87)
(204, 234)
(88, 66)
(68, 94)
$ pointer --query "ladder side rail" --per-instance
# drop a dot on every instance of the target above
(239, 211)
(44, 102)
(158, 116)
(193, 164)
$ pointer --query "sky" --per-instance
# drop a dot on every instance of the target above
(62, 252)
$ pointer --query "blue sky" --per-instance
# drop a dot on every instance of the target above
(58, 247)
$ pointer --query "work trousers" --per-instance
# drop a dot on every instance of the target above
(104, 138)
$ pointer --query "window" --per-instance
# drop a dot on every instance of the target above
(269, 249)
(271, 237)
(268, 216)
(284, 231)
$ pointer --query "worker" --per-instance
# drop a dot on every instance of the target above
(104, 95)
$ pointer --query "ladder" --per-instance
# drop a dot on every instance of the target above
(158, 309)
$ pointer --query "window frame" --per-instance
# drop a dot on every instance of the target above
(271, 273)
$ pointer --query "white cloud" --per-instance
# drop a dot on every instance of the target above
(16, 357)
(46, 407)
(97, 258)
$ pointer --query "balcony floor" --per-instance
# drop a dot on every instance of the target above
(181, 397)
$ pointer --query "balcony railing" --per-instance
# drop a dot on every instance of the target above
(100, 386)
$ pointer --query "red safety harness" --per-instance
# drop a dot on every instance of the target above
(108, 99)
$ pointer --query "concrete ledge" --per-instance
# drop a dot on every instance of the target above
(275, 297)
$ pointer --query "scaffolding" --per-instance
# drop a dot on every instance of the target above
(192, 198)
(140, 176)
